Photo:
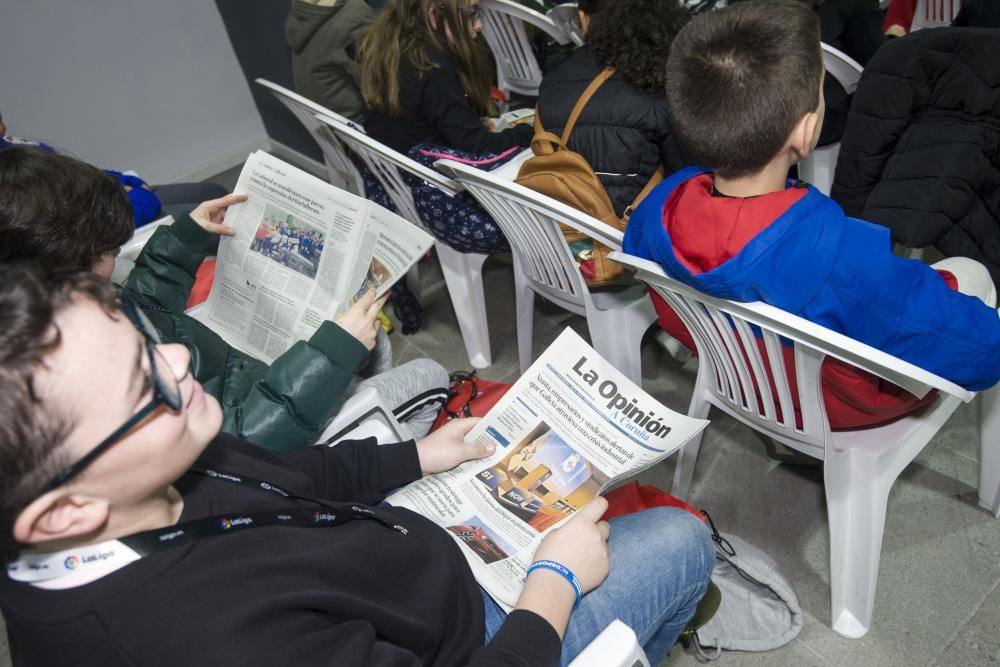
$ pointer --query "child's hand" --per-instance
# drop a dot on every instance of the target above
(210, 214)
(360, 319)
(581, 545)
(445, 448)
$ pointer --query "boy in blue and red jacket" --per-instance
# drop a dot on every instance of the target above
(744, 87)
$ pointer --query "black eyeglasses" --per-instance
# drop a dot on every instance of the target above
(166, 391)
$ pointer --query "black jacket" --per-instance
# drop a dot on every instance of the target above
(854, 27)
(434, 110)
(978, 14)
(359, 594)
(624, 133)
(921, 151)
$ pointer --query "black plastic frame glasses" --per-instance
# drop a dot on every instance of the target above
(166, 392)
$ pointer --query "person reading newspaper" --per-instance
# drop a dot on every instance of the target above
(139, 534)
(68, 215)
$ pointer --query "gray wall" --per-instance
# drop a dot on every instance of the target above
(149, 85)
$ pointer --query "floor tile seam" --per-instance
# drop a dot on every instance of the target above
(813, 651)
(947, 644)
(507, 371)
(974, 459)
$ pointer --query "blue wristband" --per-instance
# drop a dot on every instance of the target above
(561, 569)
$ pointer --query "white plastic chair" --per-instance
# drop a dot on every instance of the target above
(544, 265)
(566, 17)
(616, 646)
(935, 13)
(821, 164)
(341, 170)
(363, 415)
(463, 272)
(860, 466)
(503, 27)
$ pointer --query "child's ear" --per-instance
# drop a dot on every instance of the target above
(802, 139)
(59, 516)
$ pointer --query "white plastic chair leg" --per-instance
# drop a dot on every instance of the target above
(988, 404)
(617, 334)
(524, 304)
(857, 491)
(687, 456)
(463, 273)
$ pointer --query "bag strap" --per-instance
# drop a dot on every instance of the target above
(653, 181)
(588, 92)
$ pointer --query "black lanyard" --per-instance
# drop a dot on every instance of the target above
(326, 514)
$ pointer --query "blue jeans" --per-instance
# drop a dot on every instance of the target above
(661, 562)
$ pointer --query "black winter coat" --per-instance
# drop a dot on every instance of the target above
(624, 133)
(921, 151)
(854, 27)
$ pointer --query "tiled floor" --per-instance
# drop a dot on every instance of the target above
(938, 600)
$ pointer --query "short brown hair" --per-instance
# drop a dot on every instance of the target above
(739, 78)
(59, 211)
(31, 432)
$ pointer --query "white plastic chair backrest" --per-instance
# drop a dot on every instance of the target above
(305, 110)
(841, 67)
(935, 13)
(530, 221)
(616, 646)
(724, 337)
(503, 27)
(567, 18)
(385, 164)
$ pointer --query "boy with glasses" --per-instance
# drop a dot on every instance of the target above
(136, 534)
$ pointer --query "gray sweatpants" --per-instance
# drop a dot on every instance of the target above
(415, 391)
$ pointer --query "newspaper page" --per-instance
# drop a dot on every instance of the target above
(569, 427)
(304, 251)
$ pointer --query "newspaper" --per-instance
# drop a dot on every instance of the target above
(303, 252)
(570, 427)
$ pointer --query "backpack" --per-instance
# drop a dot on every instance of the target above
(566, 176)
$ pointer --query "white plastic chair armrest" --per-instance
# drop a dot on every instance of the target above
(363, 415)
(436, 179)
(566, 215)
(616, 646)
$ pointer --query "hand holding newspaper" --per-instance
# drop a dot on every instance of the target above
(303, 252)
(570, 427)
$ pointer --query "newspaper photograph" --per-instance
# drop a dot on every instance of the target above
(567, 430)
(303, 252)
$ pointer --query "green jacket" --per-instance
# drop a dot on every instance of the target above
(279, 407)
(324, 52)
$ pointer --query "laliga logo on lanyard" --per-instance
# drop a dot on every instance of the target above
(71, 562)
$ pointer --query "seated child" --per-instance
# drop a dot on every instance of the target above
(744, 90)
(121, 548)
(68, 215)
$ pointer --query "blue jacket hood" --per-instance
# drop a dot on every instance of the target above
(789, 262)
